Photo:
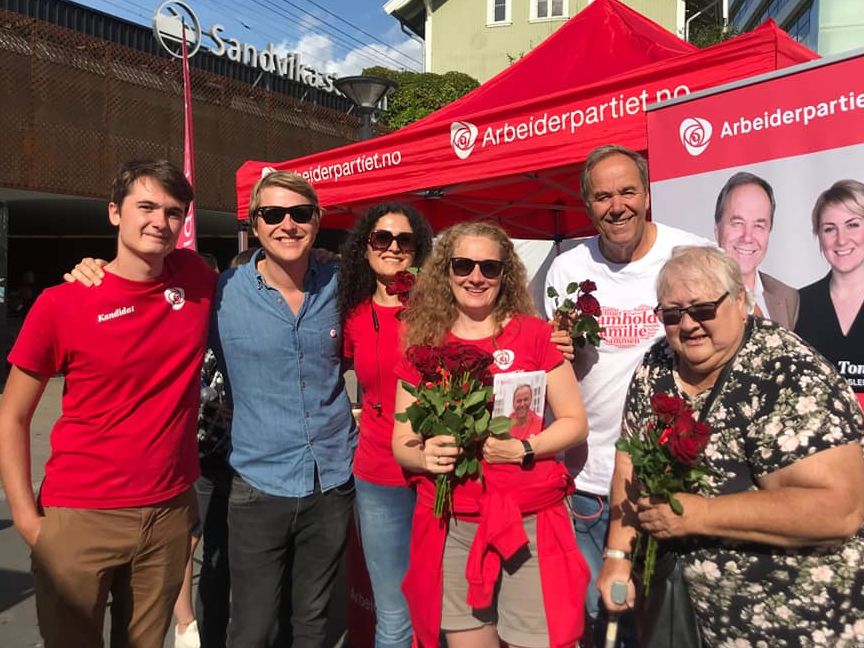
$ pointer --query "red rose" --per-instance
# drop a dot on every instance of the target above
(666, 407)
(587, 286)
(475, 361)
(451, 357)
(684, 448)
(688, 438)
(403, 282)
(425, 360)
(588, 305)
(665, 436)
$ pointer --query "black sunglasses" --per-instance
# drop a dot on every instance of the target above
(300, 214)
(701, 312)
(380, 240)
(463, 266)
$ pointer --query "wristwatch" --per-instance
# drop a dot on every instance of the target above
(528, 457)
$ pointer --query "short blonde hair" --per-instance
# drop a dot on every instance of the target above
(703, 265)
(848, 193)
(432, 308)
(286, 180)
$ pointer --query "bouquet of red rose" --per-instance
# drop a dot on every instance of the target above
(453, 398)
(403, 282)
(578, 312)
(666, 460)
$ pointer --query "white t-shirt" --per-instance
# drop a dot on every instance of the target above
(627, 296)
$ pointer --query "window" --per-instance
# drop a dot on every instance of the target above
(498, 12)
(548, 9)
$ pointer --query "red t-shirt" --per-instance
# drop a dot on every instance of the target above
(376, 354)
(523, 345)
(131, 355)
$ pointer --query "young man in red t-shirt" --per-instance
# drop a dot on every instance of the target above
(116, 506)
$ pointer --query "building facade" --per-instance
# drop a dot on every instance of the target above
(84, 91)
(825, 26)
(482, 37)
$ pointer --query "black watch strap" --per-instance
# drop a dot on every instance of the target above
(528, 457)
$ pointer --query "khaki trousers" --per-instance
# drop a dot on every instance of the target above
(137, 554)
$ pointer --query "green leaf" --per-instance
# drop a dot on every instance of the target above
(572, 287)
(475, 398)
(675, 504)
(411, 389)
(461, 467)
(482, 423)
(551, 292)
(452, 420)
(500, 425)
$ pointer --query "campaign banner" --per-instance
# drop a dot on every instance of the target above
(800, 131)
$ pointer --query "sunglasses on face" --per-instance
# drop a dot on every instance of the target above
(489, 268)
(300, 214)
(381, 240)
(701, 312)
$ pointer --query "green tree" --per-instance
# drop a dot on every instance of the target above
(420, 93)
(707, 34)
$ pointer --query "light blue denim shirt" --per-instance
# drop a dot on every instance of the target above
(283, 372)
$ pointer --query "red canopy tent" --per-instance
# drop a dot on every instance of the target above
(511, 150)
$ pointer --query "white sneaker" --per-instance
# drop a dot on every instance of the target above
(188, 638)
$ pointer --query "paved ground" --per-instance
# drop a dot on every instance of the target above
(18, 628)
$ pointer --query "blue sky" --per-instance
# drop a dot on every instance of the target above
(339, 36)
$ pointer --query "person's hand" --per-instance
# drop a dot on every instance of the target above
(616, 570)
(88, 272)
(499, 451)
(439, 454)
(657, 517)
(563, 342)
(29, 530)
(323, 255)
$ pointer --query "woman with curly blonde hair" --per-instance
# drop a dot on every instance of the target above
(503, 563)
(433, 306)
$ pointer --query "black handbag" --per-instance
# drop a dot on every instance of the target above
(666, 618)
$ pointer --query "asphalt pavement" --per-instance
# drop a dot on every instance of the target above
(18, 627)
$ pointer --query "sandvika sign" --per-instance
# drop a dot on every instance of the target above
(168, 24)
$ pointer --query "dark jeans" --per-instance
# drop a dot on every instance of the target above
(285, 552)
(214, 584)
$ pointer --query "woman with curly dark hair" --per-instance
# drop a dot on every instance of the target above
(387, 240)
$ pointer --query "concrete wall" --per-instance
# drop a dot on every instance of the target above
(841, 25)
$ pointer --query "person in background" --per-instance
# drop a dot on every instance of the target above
(623, 260)
(473, 290)
(832, 309)
(388, 239)
(743, 220)
(115, 509)
(212, 488)
(772, 542)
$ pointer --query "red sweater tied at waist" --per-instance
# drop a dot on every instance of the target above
(497, 505)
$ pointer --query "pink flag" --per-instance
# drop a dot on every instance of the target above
(187, 236)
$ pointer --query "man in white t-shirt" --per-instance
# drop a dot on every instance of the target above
(623, 259)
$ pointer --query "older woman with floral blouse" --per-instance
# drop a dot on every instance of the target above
(772, 543)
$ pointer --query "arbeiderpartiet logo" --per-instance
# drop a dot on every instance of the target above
(463, 135)
(695, 134)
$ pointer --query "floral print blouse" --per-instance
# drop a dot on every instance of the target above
(782, 402)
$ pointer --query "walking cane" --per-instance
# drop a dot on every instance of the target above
(619, 597)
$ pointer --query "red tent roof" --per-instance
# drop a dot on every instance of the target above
(518, 161)
(605, 39)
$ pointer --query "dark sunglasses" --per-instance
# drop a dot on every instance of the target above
(701, 312)
(300, 214)
(490, 268)
(380, 240)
